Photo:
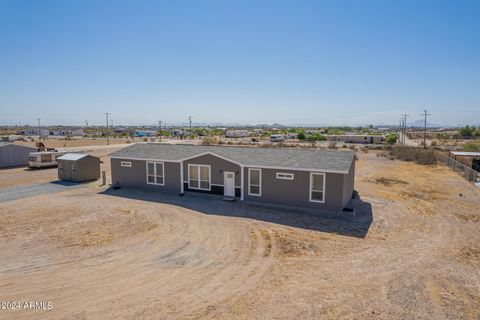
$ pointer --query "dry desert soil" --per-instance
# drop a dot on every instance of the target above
(98, 254)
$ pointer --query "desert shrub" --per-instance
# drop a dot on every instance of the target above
(208, 141)
(434, 143)
(332, 145)
(473, 146)
(221, 142)
(417, 155)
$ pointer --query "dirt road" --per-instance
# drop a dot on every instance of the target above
(98, 256)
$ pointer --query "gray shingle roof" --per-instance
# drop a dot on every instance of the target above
(4, 144)
(321, 160)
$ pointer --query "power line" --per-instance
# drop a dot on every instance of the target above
(404, 138)
(190, 121)
(108, 139)
(425, 114)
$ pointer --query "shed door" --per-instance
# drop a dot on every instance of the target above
(66, 170)
(229, 184)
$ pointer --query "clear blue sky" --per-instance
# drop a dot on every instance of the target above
(310, 62)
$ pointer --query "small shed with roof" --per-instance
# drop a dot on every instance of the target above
(78, 167)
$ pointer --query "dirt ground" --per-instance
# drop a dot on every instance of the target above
(97, 256)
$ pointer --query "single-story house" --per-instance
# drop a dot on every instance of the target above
(322, 179)
(14, 155)
(78, 167)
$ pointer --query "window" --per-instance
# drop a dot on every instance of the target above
(125, 164)
(254, 182)
(284, 176)
(155, 173)
(317, 187)
(46, 158)
(198, 177)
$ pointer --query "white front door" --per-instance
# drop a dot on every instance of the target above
(229, 184)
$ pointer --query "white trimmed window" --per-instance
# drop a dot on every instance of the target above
(199, 177)
(317, 187)
(155, 173)
(254, 182)
(285, 176)
(126, 164)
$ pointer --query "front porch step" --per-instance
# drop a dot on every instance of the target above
(229, 199)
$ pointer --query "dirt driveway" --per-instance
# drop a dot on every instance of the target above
(99, 255)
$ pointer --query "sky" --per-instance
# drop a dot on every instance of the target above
(335, 62)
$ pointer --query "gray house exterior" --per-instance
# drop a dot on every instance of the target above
(320, 179)
(78, 167)
(14, 155)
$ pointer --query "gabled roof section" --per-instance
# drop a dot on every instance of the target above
(315, 160)
(73, 156)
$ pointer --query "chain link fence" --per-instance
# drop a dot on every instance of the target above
(466, 172)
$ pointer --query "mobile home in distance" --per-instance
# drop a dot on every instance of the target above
(277, 138)
(317, 179)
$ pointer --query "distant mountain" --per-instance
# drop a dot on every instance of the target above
(421, 124)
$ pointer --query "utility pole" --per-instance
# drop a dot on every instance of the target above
(38, 119)
(404, 128)
(86, 123)
(160, 130)
(425, 114)
(111, 123)
(190, 121)
(108, 139)
(400, 130)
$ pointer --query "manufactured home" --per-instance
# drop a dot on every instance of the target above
(322, 179)
(14, 155)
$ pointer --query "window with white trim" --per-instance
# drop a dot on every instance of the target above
(125, 164)
(155, 173)
(199, 177)
(285, 176)
(317, 187)
(254, 182)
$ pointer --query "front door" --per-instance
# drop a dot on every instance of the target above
(229, 184)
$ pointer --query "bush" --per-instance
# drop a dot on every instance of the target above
(417, 155)
(332, 145)
(473, 146)
(301, 136)
(208, 141)
(391, 138)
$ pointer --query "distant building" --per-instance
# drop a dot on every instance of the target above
(145, 133)
(292, 135)
(367, 139)
(177, 132)
(237, 133)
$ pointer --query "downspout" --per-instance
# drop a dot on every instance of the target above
(181, 178)
(241, 183)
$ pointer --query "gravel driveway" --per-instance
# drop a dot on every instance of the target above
(27, 191)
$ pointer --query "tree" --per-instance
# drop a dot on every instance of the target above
(467, 131)
(301, 136)
(391, 138)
